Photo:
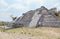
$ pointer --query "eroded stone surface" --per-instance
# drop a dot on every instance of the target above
(44, 17)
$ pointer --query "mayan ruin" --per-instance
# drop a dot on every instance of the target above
(39, 17)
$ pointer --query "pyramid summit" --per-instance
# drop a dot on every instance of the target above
(34, 18)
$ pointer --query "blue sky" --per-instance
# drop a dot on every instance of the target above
(17, 7)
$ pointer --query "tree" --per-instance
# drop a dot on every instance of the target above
(54, 9)
(13, 18)
(59, 13)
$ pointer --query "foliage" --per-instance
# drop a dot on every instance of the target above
(57, 13)
(13, 18)
(2, 23)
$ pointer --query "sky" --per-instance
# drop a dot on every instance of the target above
(18, 7)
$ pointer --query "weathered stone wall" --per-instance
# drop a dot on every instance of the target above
(49, 20)
(26, 18)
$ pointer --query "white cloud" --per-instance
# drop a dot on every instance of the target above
(3, 2)
(5, 16)
(3, 5)
(19, 0)
(19, 7)
(28, 2)
(31, 1)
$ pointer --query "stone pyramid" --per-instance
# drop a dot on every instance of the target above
(39, 17)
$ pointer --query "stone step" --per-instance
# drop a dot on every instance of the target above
(35, 19)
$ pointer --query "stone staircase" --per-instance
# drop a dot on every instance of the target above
(35, 19)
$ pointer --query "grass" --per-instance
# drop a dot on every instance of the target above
(45, 32)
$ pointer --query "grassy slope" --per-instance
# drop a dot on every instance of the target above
(45, 32)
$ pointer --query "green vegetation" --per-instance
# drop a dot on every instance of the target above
(2, 30)
(2, 23)
(57, 13)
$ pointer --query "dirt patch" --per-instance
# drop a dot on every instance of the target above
(5, 35)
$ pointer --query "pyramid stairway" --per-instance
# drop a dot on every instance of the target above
(35, 19)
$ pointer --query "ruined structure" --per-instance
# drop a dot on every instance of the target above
(39, 17)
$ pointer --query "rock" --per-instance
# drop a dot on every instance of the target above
(41, 16)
